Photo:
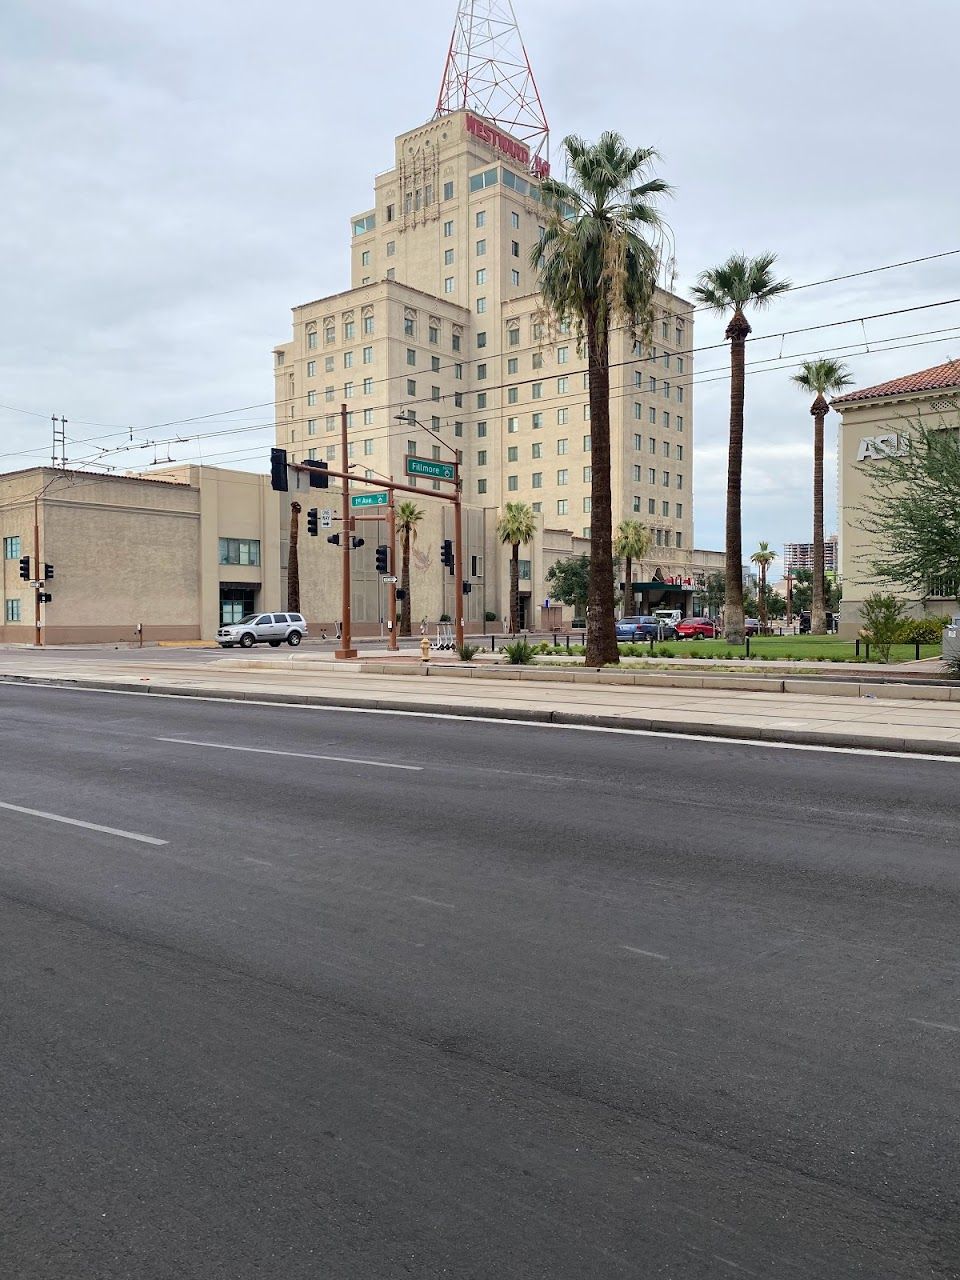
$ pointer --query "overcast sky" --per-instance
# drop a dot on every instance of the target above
(178, 174)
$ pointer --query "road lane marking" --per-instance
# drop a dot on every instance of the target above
(653, 955)
(936, 1026)
(88, 826)
(432, 902)
(294, 755)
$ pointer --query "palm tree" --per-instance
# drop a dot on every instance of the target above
(763, 557)
(736, 284)
(821, 378)
(633, 542)
(598, 267)
(293, 559)
(409, 516)
(517, 525)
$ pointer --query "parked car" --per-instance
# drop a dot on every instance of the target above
(751, 626)
(696, 629)
(263, 628)
(645, 628)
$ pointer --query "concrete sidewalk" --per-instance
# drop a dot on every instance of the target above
(807, 716)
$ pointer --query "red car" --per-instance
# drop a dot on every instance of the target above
(696, 629)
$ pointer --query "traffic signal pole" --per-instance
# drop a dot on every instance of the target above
(393, 640)
(458, 554)
(37, 628)
(346, 649)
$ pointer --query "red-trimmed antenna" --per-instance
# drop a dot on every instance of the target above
(488, 72)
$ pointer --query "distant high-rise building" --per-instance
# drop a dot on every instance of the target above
(799, 555)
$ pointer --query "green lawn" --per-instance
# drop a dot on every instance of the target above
(796, 648)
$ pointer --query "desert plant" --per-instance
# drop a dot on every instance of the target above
(466, 652)
(517, 526)
(882, 620)
(519, 652)
(408, 516)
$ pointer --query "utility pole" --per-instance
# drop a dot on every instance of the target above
(459, 566)
(37, 571)
(789, 580)
(393, 641)
(59, 450)
(346, 650)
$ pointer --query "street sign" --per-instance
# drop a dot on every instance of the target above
(434, 470)
(389, 577)
(326, 518)
(369, 500)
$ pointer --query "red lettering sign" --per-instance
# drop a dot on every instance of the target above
(506, 145)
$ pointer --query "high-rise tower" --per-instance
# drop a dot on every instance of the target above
(488, 72)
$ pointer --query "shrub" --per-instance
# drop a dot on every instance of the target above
(882, 622)
(519, 653)
(467, 652)
(445, 617)
(921, 630)
(489, 616)
(664, 651)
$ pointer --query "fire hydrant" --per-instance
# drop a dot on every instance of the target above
(424, 649)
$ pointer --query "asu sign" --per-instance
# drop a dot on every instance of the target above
(886, 446)
(507, 146)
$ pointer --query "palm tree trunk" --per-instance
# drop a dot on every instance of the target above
(628, 587)
(818, 606)
(762, 601)
(515, 588)
(601, 625)
(737, 333)
(405, 605)
(293, 559)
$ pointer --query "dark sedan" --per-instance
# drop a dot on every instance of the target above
(645, 628)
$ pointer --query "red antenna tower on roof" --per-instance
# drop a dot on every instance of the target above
(488, 72)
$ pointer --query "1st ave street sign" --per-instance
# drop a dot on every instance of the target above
(434, 470)
(368, 500)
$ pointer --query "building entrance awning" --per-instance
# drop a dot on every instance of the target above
(663, 586)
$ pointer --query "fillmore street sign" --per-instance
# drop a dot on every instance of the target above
(434, 470)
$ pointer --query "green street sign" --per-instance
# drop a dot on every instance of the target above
(434, 470)
(369, 500)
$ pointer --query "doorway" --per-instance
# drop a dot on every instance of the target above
(236, 603)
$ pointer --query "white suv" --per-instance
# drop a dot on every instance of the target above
(263, 628)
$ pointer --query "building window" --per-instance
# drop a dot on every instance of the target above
(637, 473)
(368, 417)
(665, 509)
(653, 415)
(515, 279)
(411, 357)
(482, 276)
(348, 390)
(587, 506)
(311, 397)
(563, 444)
(666, 477)
(481, 486)
(481, 306)
(311, 368)
(666, 420)
(588, 475)
(513, 453)
(481, 399)
(481, 218)
(368, 355)
(435, 364)
(563, 476)
(515, 248)
(587, 444)
(240, 551)
(652, 475)
(349, 330)
(679, 482)
(481, 248)
(434, 334)
(329, 334)
(538, 391)
(563, 417)
(348, 359)
(513, 425)
(311, 426)
(391, 273)
(368, 386)
(563, 355)
(411, 448)
(679, 422)
(561, 506)
(537, 421)
(458, 371)
(666, 389)
(481, 457)
(329, 422)
(679, 538)
(536, 450)
(652, 444)
(448, 285)
(679, 395)
(11, 548)
(513, 395)
(679, 452)
(523, 570)
(512, 483)
(412, 386)
(448, 191)
(513, 337)
(481, 368)
(679, 511)
(447, 230)
(679, 364)
(329, 364)
(515, 219)
(651, 506)
(11, 612)
(537, 507)
(458, 428)
(311, 345)
(409, 327)
(482, 342)
(455, 341)
(434, 393)
(481, 430)
(536, 480)
(536, 361)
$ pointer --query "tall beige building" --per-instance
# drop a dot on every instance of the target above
(442, 325)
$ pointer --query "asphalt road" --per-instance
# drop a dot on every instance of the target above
(538, 1003)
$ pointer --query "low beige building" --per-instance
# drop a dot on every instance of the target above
(876, 422)
(166, 557)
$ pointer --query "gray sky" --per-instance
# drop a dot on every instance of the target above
(178, 174)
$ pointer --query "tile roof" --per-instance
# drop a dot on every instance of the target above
(935, 379)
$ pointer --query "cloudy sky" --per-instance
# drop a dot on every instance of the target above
(179, 173)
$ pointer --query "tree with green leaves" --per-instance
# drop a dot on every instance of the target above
(632, 542)
(913, 508)
(516, 526)
(569, 581)
(820, 378)
(408, 516)
(735, 285)
(598, 262)
(716, 592)
(763, 558)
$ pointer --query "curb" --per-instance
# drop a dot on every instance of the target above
(744, 734)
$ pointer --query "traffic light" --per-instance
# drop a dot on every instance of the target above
(44, 597)
(48, 573)
(313, 522)
(383, 560)
(334, 539)
(401, 594)
(467, 588)
(25, 568)
(446, 553)
(318, 474)
(278, 470)
(357, 543)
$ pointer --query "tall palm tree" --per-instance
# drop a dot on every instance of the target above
(763, 557)
(517, 525)
(598, 267)
(633, 542)
(293, 559)
(408, 517)
(738, 283)
(821, 378)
